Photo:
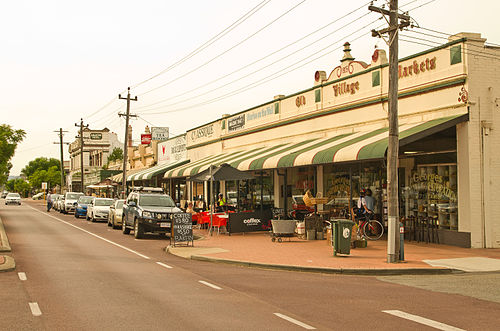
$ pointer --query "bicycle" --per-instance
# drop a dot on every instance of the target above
(369, 228)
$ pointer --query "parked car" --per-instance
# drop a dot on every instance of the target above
(115, 214)
(13, 199)
(38, 196)
(148, 210)
(68, 203)
(4, 194)
(57, 202)
(55, 197)
(98, 209)
(81, 206)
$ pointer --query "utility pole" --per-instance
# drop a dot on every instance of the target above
(62, 157)
(125, 147)
(393, 147)
(81, 147)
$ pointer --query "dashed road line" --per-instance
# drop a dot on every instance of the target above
(95, 235)
(210, 285)
(35, 310)
(294, 321)
(422, 320)
(22, 276)
(164, 265)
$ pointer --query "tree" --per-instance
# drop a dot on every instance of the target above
(117, 154)
(9, 138)
(18, 185)
(52, 176)
(40, 163)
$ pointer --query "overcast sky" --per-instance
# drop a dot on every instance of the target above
(65, 60)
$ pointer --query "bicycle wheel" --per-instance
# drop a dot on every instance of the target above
(373, 230)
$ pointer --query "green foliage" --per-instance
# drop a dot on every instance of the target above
(41, 163)
(9, 138)
(52, 176)
(19, 185)
(117, 154)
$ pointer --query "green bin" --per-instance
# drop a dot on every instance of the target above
(341, 236)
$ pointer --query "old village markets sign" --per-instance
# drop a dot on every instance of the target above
(416, 67)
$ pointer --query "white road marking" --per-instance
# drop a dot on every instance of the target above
(210, 285)
(22, 276)
(164, 265)
(93, 234)
(35, 310)
(294, 321)
(422, 320)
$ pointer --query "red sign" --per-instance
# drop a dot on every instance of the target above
(146, 138)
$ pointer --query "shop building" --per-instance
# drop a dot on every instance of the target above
(97, 146)
(332, 139)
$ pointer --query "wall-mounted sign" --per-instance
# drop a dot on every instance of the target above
(204, 132)
(146, 138)
(159, 133)
(416, 67)
(172, 150)
(345, 88)
(236, 123)
(300, 101)
(95, 136)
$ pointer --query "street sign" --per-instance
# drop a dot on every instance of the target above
(44, 185)
(146, 138)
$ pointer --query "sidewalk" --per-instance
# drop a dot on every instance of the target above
(256, 249)
(7, 263)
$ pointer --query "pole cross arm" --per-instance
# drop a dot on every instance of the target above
(387, 12)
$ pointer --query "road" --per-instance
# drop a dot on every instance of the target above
(76, 275)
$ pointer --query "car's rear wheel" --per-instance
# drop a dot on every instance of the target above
(76, 214)
(125, 230)
(138, 230)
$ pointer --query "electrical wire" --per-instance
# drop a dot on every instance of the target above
(267, 56)
(209, 42)
(226, 51)
(258, 70)
(269, 77)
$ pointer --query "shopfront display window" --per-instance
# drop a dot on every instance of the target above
(249, 194)
(433, 193)
(299, 180)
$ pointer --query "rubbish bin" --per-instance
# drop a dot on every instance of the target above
(341, 236)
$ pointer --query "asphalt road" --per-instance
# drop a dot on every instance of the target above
(78, 275)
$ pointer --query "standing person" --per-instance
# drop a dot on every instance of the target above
(369, 205)
(49, 201)
(221, 203)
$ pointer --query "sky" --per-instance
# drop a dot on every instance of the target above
(188, 62)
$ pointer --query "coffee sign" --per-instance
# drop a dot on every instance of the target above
(182, 228)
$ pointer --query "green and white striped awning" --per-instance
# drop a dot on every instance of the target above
(155, 171)
(361, 145)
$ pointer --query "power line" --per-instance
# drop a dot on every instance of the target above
(224, 52)
(209, 42)
(269, 77)
(265, 57)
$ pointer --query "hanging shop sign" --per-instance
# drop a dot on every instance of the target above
(146, 138)
(159, 133)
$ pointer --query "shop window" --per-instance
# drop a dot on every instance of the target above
(317, 95)
(433, 193)
(456, 54)
(375, 78)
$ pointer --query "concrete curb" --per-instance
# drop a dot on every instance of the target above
(4, 241)
(8, 265)
(359, 272)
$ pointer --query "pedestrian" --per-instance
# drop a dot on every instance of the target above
(49, 201)
(221, 203)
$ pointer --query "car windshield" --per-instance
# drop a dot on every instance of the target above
(99, 202)
(73, 196)
(85, 200)
(13, 195)
(156, 201)
(119, 204)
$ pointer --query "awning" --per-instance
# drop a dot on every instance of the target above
(118, 178)
(360, 145)
(155, 171)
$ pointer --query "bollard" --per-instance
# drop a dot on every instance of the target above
(401, 242)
